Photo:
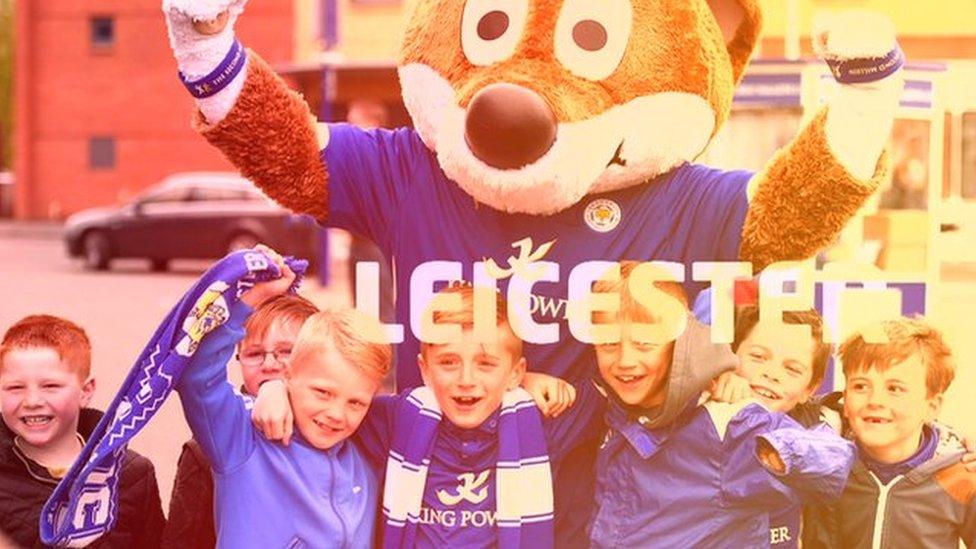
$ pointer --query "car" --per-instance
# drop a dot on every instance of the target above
(193, 215)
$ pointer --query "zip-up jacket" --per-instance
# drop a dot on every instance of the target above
(26, 485)
(688, 475)
(932, 505)
(268, 494)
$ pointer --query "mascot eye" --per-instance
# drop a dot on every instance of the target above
(491, 29)
(591, 37)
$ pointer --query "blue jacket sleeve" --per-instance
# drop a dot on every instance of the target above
(583, 421)
(817, 460)
(217, 415)
(370, 173)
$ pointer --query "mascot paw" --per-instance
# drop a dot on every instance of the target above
(853, 34)
(202, 10)
(201, 32)
(860, 48)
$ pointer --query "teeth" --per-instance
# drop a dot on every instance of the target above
(36, 420)
(466, 400)
(766, 393)
(628, 379)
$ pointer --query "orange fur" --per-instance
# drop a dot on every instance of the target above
(804, 198)
(269, 136)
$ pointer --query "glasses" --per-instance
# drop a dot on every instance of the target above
(255, 359)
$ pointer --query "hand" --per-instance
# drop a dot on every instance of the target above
(730, 387)
(858, 34)
(201, 32)
(769, 457)
(853, 34)
(272, 412)
(265, 290)
(552, 395)
(212, 26)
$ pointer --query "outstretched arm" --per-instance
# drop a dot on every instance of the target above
(245, 109)
(806, 194)
(216, 415)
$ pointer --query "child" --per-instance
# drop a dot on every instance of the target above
(673, 473)
(319, 490)
(469, 461)
(784, 368)
(269, 338)
(45, 388)
(909, 487)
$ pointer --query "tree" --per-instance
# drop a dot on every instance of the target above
(6, 82)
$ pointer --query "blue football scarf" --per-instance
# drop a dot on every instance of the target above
(85, 503)
(523, 479)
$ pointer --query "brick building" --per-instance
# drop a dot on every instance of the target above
(100, 112)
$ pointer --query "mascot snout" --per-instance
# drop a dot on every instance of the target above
(508, 127)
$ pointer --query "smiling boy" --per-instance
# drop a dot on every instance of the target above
(45, 388)
(317, 491)
(909, 487)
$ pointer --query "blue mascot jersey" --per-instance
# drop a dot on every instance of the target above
(387, 186)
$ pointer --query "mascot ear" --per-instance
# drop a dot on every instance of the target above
(741, 23)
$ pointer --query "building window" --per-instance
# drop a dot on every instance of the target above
(101, 153)
(102, 32)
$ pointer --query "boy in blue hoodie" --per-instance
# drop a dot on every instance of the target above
(676, 473)
(319, 491)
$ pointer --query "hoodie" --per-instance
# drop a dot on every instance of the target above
(686, 474)
(932, 505)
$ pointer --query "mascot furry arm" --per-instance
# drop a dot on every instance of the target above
(619, 95)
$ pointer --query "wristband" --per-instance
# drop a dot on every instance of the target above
(862, 70)
(221, 76)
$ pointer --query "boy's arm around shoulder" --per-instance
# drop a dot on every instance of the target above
(375, 433)
(813, 462)
(581, 422)
(215, 413)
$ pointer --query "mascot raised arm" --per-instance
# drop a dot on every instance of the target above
(549, 135)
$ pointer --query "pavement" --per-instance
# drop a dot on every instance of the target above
(30, 229)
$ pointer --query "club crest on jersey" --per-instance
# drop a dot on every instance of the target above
(602, 215)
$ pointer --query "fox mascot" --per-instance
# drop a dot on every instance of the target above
(550, 136)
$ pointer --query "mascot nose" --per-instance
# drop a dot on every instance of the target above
(508, 126)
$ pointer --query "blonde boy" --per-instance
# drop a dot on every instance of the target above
(45, 388)
(909, 487)
(317, 491)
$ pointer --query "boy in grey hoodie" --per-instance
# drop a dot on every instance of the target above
(910, 486)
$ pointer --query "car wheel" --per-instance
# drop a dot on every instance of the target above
(97, 251)
(242, 241)
(159, 265)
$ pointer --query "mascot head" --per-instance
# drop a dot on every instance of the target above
(531, 105)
